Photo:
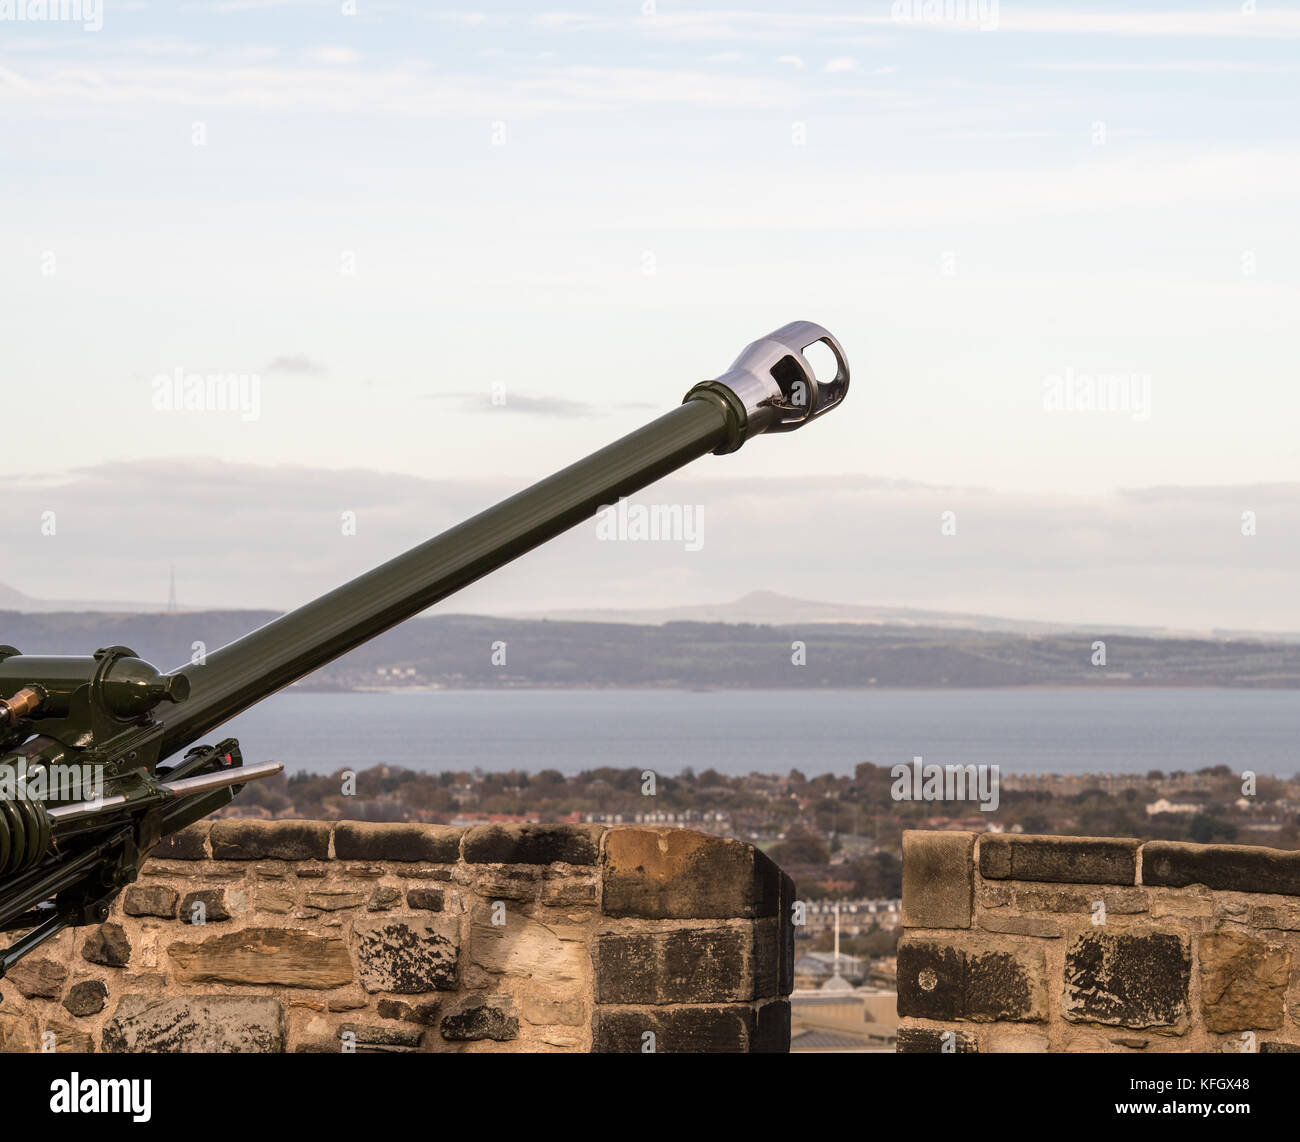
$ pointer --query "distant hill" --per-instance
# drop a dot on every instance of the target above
(456, 651)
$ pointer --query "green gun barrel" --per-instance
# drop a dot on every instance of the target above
(771, 387)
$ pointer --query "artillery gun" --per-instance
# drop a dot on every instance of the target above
(88, 784)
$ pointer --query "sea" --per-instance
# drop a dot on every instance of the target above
(773, 731)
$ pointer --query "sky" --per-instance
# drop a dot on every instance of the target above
(450, 251)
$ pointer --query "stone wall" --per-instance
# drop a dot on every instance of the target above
(1024, 943)
(315, 936)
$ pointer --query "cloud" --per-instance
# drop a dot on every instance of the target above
(840, 64)
(794, 61)
(1172, 557)
(334, 53)
(527, 405)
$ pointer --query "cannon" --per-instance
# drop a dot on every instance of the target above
(92, 774)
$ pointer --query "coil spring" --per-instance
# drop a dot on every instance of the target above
(24, 834)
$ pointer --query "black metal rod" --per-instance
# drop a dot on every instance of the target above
(243, 673)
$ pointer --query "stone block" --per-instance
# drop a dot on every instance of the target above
(362, 840)
(673, 1030)
(685, 965)
(190, 843)
(381, 1035)
(425, 899)
(284, 957)
(333, 899)
(1067, 860)
(1243, 982)
(107, 945)
(1013, 925)
(407, 957)
(206, 906)
(1127, 979)
(37, 977)
(482, 1017)
(771, 1035)
(938, 879)
(274, 840)
(532, 844)
(150, 900)
(551, 956)
(982, 980)
(935, 1041)
(1232, 868)
(86, 998)
(673, 874)
(221, 1024)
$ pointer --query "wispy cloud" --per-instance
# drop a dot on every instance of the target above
(301, 366)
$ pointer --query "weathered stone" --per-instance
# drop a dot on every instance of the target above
(425, 1014)
(482, 1017)
(1275, 1047)
(788, 899)
(563, 891)
(1243, 982)
(1020, 925)
(190, 843)
(1132, 1042)
(532, 844)
(107, 945)
(278, 840)
(984, 982)
(211, 908)
(764, 940)
(383, 898)
(17, 1034)
(931, 979)
(38, 977)
(687, 965)
(1181, 907)
(280, 901)
(1128, 979)
(1014, 1041)
(407, 957)
(382, 1035)
(509, 884)
(271, 870)
(673, 874)
(938, 879)
(1283, 917)
(1233, 868)
(1068, 860)
(224, 1024)
(771, 1034)
(684, 965)
(365, 871)
(672, 1030)
(86, 998)
(1005, 986)
(552, 956)
(285, 957)
(551, 1012)
(346, 1001)
(363, 840)
(69, 1040)
(935, 1041)
(1120, 901)
(310, 872)
(331, 900)
(427, 899)
(150, 900)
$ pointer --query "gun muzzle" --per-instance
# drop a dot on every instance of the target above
(772, 387)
